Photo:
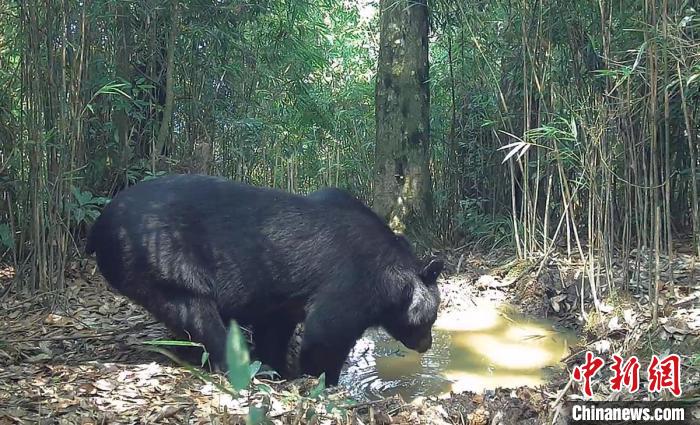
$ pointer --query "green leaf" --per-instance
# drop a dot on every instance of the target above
(98, 201)
(151, 176)
(173, 343)
(114, 88)
(310, 414)
(6, 237)
(76, 192)
(79, 215)
(237, 358)
(318, 389)
(264, 388)
(86, 197)
(256, 416)
(254, 368)
(205, 358)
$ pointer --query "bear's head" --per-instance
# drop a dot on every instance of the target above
(412, 318)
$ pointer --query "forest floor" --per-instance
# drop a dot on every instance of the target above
(78, 355)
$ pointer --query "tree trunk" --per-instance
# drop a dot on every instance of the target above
(124, 47)
(164, 131)
(402, 187)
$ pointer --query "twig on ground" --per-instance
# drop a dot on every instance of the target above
(559, 398)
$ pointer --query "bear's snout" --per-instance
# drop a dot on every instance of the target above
(421, 345)
(425, 344)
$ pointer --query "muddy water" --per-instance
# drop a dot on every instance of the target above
(480, 349)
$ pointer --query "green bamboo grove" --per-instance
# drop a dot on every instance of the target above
(552, 126)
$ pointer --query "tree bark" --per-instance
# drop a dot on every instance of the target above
(169, 81)
(124, 47)
(402, 186)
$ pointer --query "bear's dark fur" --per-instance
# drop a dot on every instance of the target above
(198, 252)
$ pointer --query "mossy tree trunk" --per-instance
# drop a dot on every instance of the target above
(402, 188)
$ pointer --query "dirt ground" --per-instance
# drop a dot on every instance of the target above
(78, 356)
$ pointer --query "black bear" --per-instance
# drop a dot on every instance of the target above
(199, 251)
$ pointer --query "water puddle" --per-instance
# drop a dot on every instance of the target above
(476, 350)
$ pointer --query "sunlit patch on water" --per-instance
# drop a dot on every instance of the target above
(484, 348)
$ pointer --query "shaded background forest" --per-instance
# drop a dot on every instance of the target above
(595, 104)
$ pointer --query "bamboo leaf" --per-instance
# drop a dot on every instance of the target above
(523, 150)
(639, 56)
(318, 389)
(256, 416)
(173, 343)
(237, 358)
(517, 147)
(510, 145)
(254, 368)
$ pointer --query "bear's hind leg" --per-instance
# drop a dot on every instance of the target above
(188, 314)
(271, 338)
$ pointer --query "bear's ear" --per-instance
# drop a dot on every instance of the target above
(430, 273)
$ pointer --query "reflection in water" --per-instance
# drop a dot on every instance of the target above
(477, 350)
